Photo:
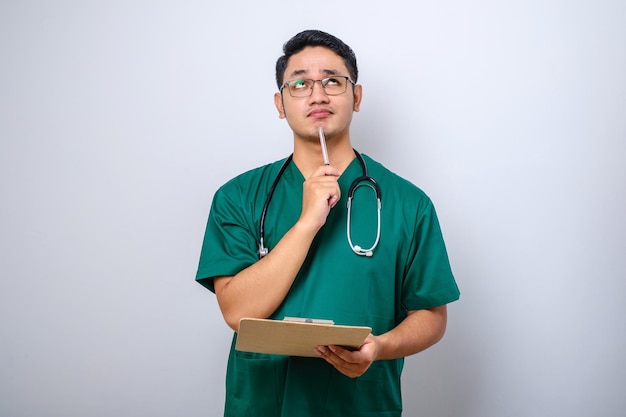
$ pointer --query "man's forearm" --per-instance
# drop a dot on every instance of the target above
(258, 290)
(417, 332)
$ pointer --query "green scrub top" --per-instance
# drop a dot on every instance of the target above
(409, 270)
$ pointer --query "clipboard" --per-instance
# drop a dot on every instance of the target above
(296, 338)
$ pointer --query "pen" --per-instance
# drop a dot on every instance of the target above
(323, 143)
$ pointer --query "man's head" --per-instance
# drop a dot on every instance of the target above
(317, 86)
(315, 38)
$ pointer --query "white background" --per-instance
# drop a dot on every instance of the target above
(119, 120)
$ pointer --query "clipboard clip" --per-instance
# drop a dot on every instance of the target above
(307, 320)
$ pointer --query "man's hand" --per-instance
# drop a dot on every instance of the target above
(320, 194)
(351, 363)
(418, 331)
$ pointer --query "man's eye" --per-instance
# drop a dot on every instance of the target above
(298, 84)
(332, 81)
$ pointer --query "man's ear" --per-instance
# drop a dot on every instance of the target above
(358, 96)
(278, 102)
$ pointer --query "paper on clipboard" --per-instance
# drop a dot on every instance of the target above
(294, 338)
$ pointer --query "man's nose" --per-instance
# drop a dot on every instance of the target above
(318, 93)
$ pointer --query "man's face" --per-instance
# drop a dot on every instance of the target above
(306, 114)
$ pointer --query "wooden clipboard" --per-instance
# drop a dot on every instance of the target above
(290, 338)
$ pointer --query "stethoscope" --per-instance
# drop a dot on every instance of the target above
(363, 180)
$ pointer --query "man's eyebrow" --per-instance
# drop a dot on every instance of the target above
(299, 72)
(330, 72)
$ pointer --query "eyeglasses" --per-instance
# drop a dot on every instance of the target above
(303, 87)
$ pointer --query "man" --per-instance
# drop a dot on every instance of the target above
(315, 267)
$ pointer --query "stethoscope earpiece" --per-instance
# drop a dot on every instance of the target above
(359, 251)
(262, 251)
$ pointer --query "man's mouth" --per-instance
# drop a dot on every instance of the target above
(319, 113)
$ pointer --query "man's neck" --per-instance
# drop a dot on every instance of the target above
(308, 157)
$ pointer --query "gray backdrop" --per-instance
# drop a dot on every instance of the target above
(119, 120)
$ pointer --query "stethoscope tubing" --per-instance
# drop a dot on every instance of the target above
(363, 180)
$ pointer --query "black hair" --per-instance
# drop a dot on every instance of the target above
(315, 38)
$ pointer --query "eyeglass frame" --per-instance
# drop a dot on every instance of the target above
(327, 79)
